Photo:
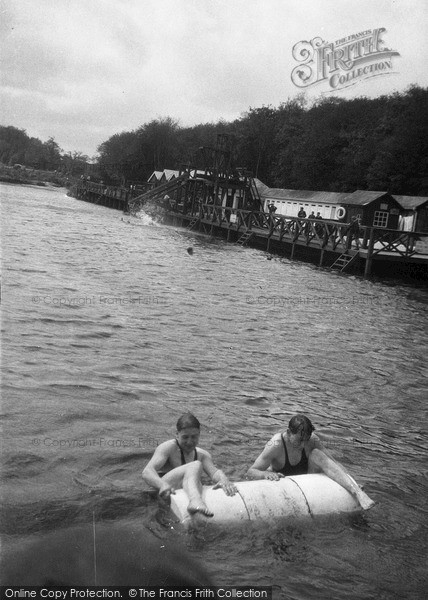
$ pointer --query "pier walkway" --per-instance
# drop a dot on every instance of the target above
(322, 241)
(328, 241)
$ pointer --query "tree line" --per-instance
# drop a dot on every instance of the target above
(331, 144)
(17, 148)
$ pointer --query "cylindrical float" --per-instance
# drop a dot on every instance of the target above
(296, 497)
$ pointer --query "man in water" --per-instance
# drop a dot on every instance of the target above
(298, 451)
(179, 463)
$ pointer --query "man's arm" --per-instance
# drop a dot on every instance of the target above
(217, 475)
(155, 464)
(259, 469)
(321, 461)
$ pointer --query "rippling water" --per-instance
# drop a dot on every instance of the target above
(111, 330)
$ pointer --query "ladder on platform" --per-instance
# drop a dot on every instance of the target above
(245, 238)
(192, 223)
(344, 261)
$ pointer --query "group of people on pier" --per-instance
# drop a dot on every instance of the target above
(180, 463)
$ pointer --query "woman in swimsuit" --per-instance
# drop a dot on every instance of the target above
(184, 464)
(299, 451)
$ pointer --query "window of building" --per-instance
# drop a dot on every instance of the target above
(380, 218)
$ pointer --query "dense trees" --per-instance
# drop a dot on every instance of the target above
(332, 144)
(16, 147)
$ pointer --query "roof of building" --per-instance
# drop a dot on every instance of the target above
(363, 197)
(261, 187)
(314, 197)
(170, 173)
(411, 202)
(156, 174)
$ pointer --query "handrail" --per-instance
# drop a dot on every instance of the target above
(326, 234)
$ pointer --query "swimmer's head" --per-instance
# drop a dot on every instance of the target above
(187, 421)
(301, 424)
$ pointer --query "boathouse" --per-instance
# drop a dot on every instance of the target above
(374, 209)
(414, 213)
(155, 178)
(169, 175)
(289, 202)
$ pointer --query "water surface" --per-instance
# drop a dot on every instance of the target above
(111, 330)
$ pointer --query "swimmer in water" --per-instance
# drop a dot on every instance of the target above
(179, 463)
(298, 451)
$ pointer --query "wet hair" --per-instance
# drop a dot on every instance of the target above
(187, 420)
(301, 424)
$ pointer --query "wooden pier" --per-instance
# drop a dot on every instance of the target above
(115, 197)
(325, 242)
(205, 204)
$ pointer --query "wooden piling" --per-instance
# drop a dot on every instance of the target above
(369, 258)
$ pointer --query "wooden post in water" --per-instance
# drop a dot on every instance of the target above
(369, 259)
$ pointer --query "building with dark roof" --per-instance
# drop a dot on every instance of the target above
(374, 209)
(414, 216)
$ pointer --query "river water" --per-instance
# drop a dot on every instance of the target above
(112, 329)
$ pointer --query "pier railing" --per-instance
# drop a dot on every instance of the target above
(109, 191)
(404, 243)
(323, 234)
(316, 233)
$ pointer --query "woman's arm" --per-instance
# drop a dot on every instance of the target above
(216, 475)
(155, 464)
(259, 469)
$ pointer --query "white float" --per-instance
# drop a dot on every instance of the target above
(295, 497)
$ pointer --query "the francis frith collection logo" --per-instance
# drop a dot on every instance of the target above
(344, 62)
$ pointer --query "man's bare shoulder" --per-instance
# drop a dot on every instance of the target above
(275, 442)
(203, 453)
(313, 442)
(276, 439)
(166, 447)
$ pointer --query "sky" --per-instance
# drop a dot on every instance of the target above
(82, 70)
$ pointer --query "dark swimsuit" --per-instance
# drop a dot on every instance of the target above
(300, 469)
(169, 468)
(183, 460)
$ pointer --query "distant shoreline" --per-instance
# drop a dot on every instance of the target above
(18, 181)
(39, 184)
(39, 178)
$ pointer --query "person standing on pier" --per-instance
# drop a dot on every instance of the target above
(179, 463)
(298, 451)
(318, 228)
(353, 233)
(302, 215)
